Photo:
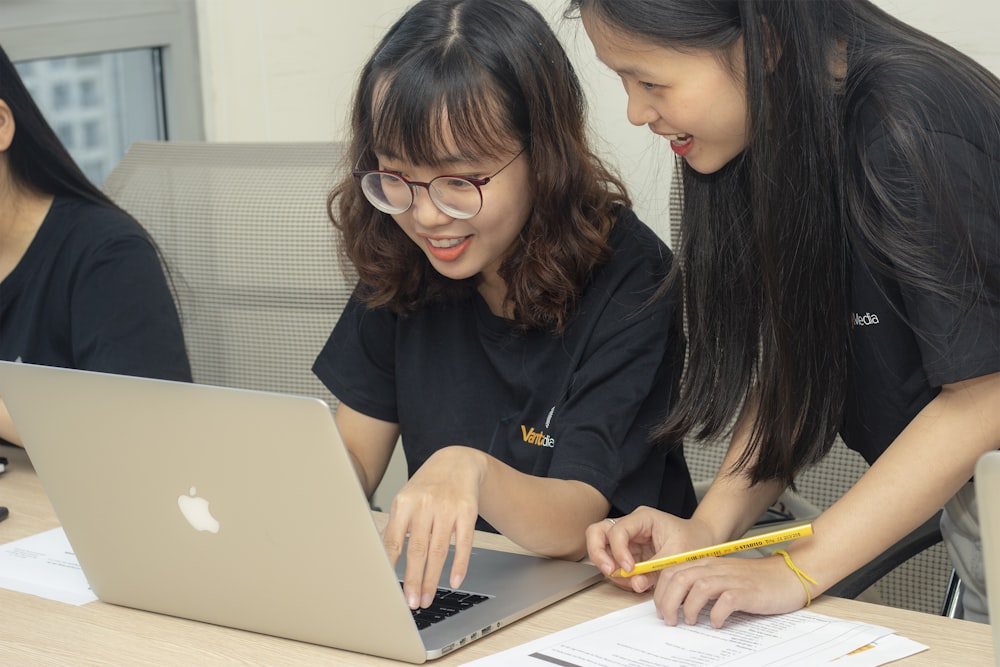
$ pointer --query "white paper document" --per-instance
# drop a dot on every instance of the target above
(636, 636)
(44, 565)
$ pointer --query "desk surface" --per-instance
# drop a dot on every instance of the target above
(43, 632)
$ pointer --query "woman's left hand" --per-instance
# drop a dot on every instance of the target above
(439, 501)
(755, 585)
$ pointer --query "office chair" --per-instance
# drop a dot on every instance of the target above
(916, 573)
(252, 256)
(250, 251)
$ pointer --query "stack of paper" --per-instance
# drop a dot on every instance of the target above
(637, 636)
(44, 565)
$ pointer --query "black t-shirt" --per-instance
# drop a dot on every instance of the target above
(90, 293)
(579, 406)
(907, 343)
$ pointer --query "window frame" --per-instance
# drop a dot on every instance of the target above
(59, 28)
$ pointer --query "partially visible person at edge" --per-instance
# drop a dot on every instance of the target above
(840, 258)
(506, 322)
(81, 284)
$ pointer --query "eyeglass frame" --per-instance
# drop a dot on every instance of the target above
(477, 183)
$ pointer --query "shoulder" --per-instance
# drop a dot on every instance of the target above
(364, 319)
(631, 240)
(925, 102)
(89, 227)
(633, 278)
(95, 220)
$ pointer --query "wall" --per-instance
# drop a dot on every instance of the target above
(283, 70)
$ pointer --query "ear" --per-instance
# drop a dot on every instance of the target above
(6, 126)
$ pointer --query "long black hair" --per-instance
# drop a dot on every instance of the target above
(36, 157)
(766, 241)
(38, 160)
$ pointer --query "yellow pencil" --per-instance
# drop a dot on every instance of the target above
(743, 544)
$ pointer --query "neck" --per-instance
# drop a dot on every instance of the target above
(494, 292)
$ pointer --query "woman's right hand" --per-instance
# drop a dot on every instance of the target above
(440, 502)
(644, 534)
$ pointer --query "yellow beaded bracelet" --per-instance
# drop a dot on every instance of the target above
(803, 577)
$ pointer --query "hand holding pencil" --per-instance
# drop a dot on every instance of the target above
(648, 542)
(743, 544)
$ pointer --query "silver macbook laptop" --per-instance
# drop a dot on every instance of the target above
(988, 504)
(242, 509)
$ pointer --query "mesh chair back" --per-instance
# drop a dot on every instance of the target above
(244, 232)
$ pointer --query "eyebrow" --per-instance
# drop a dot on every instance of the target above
(630, 71)
(441, 161)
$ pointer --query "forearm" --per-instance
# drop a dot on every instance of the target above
(545, 515)
(369, 443)
(7, 430)
(926, 464)
(367, 483)
(731, 505)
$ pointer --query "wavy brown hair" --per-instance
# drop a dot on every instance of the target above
(494, 73)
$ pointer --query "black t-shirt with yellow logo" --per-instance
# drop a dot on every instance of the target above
(579, 406)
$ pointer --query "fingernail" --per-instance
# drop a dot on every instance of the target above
(413, 600)
(426, 600)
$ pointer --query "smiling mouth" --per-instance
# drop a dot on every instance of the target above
(446, 243)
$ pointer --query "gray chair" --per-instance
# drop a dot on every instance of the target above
(252, 256)
(251, 253)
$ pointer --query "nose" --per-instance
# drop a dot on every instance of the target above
(425, 212)
(639, 112)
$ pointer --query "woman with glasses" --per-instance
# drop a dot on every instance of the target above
(81, 284)
(508, 322)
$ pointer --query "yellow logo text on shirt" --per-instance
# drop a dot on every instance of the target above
(539, 438)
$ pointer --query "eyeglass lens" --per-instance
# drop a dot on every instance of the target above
(389, 193)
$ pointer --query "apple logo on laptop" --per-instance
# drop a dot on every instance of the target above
(195, 510)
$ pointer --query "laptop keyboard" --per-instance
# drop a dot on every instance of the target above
(447, 602)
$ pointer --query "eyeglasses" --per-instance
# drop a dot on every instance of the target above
(457, 196)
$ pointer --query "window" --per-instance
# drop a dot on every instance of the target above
(118, 100)
(89, 95)
(92, 137)
(67, 135)
(108, 73)
(60, 97)
(95, 170)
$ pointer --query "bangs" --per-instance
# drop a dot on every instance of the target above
(436, 109)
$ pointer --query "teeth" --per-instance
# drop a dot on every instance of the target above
(446, 243)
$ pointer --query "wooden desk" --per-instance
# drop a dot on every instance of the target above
(37, 631)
